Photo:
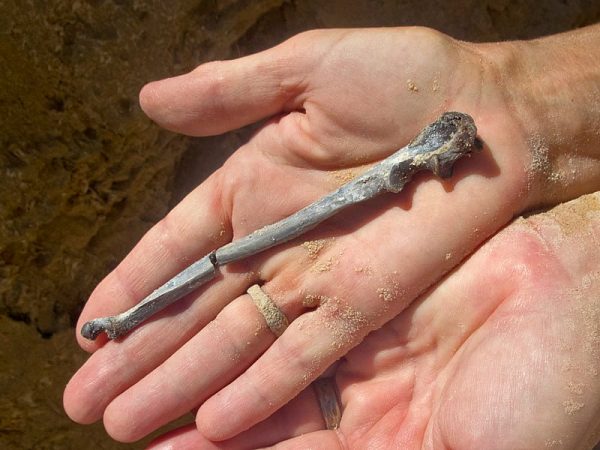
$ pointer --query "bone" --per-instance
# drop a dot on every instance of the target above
(436, 148)
(177, 287)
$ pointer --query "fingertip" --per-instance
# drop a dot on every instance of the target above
(196, 103)
(147, 98)
(211, 429)
(206, 427)
(173, 103)
(116, 429)
(68, 404)
(215, 421)
(74, 408)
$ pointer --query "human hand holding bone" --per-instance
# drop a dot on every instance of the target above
(502, 354)
(342, 100)
(436, 148)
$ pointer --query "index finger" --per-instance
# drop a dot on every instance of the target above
(192, 229)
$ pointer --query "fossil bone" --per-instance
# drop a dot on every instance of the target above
(436, 148)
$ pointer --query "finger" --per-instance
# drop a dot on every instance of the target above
(224, 95)
(120, 364)
(210, 360)
(313, 342)
(192, 229)
(301, 415)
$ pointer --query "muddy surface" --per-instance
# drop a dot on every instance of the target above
(83, 173)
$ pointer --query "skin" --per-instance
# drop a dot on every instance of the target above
(458, 359)
(467, 367)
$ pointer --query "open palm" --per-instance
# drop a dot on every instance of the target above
(467, 366)
(341, 100)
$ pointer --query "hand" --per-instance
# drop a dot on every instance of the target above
(342, 99)
(466, 366)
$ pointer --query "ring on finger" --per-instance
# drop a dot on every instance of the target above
(275, 318)
(329, 403)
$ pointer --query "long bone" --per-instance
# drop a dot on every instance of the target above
(436, 148)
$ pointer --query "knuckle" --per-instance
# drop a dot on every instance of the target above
(213, 82)
(297, 359)
(166, 235)
(526, 265)
(239, 174)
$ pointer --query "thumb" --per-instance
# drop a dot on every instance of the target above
(224, 95)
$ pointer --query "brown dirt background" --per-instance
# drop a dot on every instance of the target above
(83, 174)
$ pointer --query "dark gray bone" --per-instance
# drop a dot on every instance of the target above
(436, 148)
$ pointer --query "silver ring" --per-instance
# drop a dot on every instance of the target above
(276, 320)
(327, 394)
